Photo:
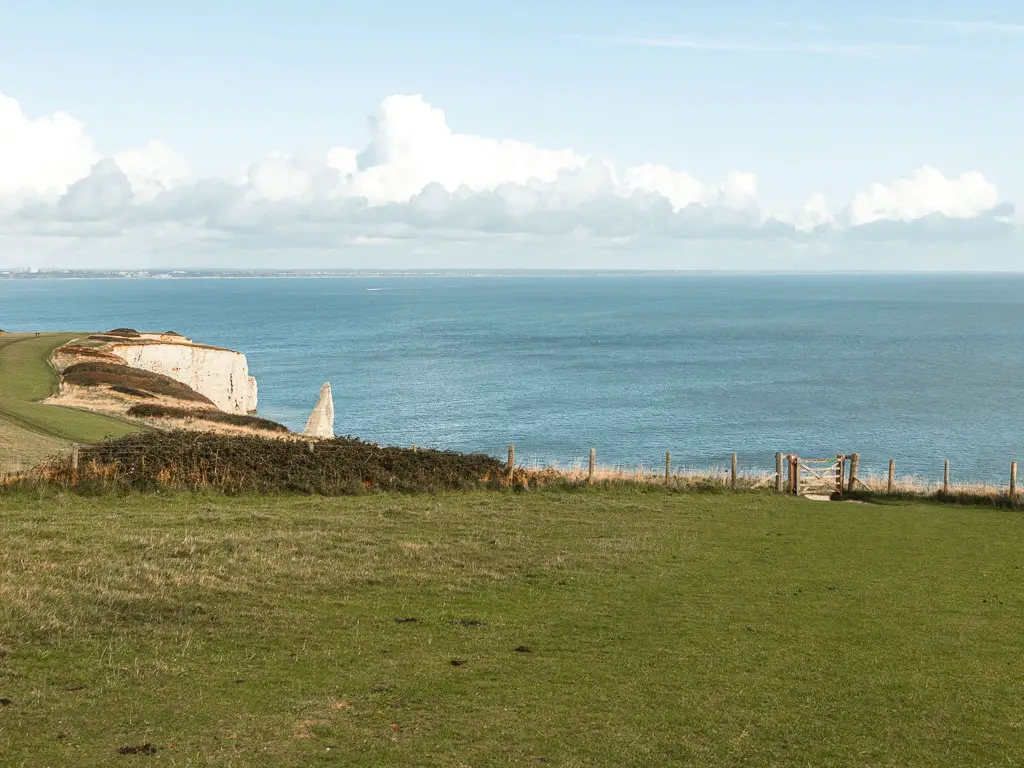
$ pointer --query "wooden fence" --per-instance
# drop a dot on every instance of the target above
(801, 476)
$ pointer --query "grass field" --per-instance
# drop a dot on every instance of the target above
(620, 627)
(29, 430)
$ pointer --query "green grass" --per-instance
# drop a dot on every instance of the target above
(25, 374)
(28, 427)
(663, 629)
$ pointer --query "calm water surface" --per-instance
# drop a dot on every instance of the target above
(918, 368)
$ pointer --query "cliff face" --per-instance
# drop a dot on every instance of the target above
(222, 375)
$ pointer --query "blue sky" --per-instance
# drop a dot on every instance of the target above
(809, 97)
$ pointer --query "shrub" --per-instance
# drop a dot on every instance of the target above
(154, 411)
(99, 373)
(128, 333)
(133, 392)
(251, 464)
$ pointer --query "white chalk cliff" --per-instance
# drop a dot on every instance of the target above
(220, 374)
(321, 420)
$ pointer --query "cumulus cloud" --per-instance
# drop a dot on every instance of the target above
(44, 158)
(40, 158)
(926, 192)
(814, 214)
(152, 168)
(412, 146)
(100, 195)
(418, 180)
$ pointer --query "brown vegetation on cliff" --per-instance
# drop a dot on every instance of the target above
(155, 411)
(95, 374)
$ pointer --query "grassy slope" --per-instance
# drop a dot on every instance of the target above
(22, 449)
(30, 430)
(664, 630)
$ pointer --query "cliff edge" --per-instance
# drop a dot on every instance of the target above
(222, 375)
(116, 371)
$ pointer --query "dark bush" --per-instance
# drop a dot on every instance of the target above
(109, 339)
(133, 392)
(128, 333)
(154, 411)
(250, 464)
(97, 374)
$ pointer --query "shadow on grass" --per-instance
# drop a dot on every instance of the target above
(995, 500)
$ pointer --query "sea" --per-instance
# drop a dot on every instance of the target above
(916, 368)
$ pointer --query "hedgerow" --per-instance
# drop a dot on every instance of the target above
(188, 460)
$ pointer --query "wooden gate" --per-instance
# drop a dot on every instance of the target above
(816, 477)
(813, 477)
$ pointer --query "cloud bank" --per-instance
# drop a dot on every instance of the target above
(434, 193)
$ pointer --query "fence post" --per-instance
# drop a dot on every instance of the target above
(590, 471)
(945, 478)
(840, 471)
(892, 476)
(668, 465)
(732, 476)
(796, 475)
(74, 463)
(1013, 482)
(511, 459)
(854, 467)
(778, 473)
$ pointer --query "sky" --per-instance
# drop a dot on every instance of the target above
(660, 135)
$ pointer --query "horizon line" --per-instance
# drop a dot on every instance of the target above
(180, 273)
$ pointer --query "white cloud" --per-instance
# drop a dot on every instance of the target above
(41, 157)
(680, 189)
(280, 177)
(152, 169)
(926, 192)
(99, 196)
(412, 146)
(814, 214)
(418, 180)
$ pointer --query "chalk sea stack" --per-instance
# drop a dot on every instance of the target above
(321, 420)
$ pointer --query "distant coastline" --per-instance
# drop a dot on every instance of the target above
(156, 274)
(216, 274)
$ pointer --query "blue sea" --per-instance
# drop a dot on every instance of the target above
(915, 368)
